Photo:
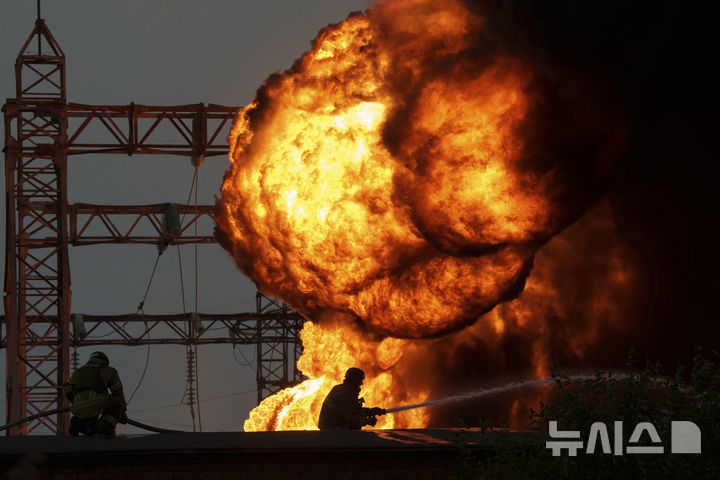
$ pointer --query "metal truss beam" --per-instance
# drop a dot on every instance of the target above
(138, 329)
(97, 224)
(189, 130)
(41, 131)
(101, 224)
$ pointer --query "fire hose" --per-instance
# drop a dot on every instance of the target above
(489, 391)
(67, 409)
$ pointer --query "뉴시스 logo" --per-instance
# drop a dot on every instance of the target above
(685, 438)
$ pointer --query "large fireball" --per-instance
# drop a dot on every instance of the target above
(404, 172)
(407, 175)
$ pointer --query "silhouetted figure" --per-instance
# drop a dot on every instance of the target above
(96, 395)
(342, 408)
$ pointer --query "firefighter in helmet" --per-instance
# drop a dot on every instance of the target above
(96, 395)
(342, 408)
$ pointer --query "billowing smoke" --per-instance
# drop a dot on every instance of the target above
(406, 169)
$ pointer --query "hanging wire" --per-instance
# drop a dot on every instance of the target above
(189, 392)
(234, 304)
(246, 363)
(192, 186)
(182, 283)
(95, 337)
(147, 362)
(197, 376)
(141, 312)
(152, 275)
(191, 357)
(216, 397)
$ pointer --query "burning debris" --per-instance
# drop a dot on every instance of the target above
(396, 184)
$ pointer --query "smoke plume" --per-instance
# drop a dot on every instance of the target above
(407, 168)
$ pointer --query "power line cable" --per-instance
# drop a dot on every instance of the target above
(140, 311)
(147, 358)
(189, 392)
(182, 283)
(141, 305)
(197, 374)
(95, 337)
(242, 302)
(246, 363)
(208, 399)
(191, 356)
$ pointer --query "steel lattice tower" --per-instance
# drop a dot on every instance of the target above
(41, 131)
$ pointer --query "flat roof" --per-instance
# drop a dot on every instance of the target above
(255, 442)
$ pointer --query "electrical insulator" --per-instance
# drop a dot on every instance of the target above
(197, 160)
(79, 331)
(172, 219)
(197, 323)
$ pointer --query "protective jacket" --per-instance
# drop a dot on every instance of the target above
(95, 389)
(342, 409)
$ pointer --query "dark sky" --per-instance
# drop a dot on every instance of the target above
(164, 53)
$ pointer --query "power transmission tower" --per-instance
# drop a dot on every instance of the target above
(41, 131)
(277, 332)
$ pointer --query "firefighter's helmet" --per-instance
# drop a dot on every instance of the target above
(101, 356)
(355, 376)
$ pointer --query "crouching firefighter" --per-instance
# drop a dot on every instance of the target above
(96, 396)
(343, 410)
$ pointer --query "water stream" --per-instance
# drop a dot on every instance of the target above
(490, 391)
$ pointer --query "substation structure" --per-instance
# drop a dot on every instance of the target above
(42, 131)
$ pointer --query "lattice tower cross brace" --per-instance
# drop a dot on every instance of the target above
(37, 280)
(276, 334)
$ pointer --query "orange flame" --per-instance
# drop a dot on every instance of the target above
(397, 175)
(406, 371)
(330, 347)
(313, 162)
